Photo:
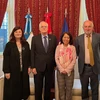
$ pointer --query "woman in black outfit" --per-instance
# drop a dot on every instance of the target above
(16, 67)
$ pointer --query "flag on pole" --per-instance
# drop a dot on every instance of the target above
(28, 27)
(65, 26)
(81, 17)
(47, 19)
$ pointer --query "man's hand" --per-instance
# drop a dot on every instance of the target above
(34, 71)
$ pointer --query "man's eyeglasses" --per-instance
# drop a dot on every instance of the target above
(44, 26)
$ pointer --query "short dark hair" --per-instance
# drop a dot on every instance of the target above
(12, 37)
(70, 36)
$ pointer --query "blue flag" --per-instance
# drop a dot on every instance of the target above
(65, 26)
(28, 26)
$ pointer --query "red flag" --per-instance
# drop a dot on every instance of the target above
(47, 19)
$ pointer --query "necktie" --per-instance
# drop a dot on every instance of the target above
(45, 43)
(90, 52)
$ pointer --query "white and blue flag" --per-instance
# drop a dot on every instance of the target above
(28, 28)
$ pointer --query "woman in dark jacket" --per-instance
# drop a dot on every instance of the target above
(16, 67)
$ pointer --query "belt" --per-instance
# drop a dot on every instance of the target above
(87, 64)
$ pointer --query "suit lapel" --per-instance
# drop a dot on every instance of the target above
(49, 41)
(41, 43)
(16, 51)
(23, 51)
(83, 43)
(93, 40)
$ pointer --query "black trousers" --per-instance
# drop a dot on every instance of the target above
(87, 75)
(43, 82)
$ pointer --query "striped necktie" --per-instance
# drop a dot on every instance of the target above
(45, 43)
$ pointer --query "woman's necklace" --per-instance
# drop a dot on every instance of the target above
(19, 46)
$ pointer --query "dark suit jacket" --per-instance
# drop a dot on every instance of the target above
(39, 58)
(79, 44)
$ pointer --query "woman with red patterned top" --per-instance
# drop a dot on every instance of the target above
(65, 57)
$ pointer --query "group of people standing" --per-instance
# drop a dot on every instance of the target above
(19, 61)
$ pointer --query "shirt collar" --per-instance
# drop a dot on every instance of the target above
(90, 35)
(44, 36)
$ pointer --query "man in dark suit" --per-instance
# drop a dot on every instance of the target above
(88, 60)
(43, 61)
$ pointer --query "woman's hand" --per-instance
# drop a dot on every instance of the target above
(29, 70)
(7, 75)
(64, 72)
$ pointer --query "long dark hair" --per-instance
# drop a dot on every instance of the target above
(70, 36)
(12, 37)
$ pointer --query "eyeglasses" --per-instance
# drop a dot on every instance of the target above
(44, 26)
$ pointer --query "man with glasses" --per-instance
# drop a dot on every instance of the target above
(43, 61)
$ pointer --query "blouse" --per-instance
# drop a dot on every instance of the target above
(65, 58)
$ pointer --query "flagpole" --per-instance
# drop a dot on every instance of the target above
(28, 10)
(65, 12)
(47, 6)
(47, 10)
